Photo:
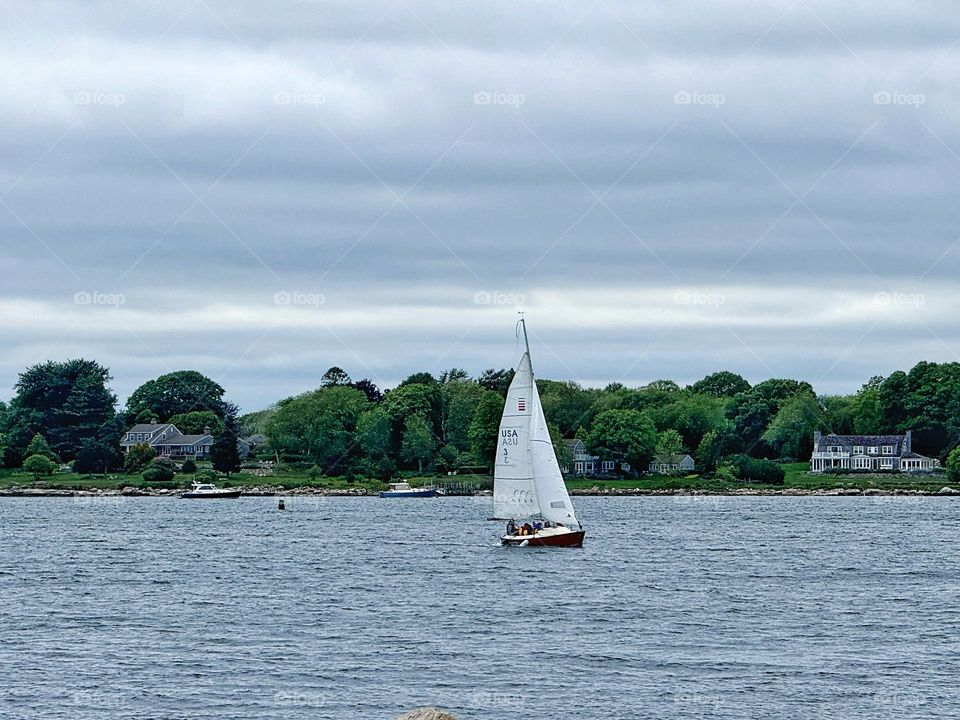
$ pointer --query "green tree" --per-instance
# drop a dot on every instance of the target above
(319, 427)
(484, 426)
(716, 444)
(459, 401)
(496, 380)
(38, 446)
(669, 442)
(623, 435)
(96, 456)
(224, 455)
(721, 384)
(335, 376)
(39, 465)
(177, 393)
(369, 388)
(194, 423)
(68, 403)
(791, 431)
(560, 447)
(373, 434)
(418, 443)
(453, 375)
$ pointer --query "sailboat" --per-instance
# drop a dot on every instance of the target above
(528, 487)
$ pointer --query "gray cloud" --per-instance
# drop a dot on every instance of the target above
(619, 168)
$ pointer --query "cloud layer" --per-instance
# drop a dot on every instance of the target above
(262, 192)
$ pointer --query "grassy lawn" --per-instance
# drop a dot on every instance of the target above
(796, 477)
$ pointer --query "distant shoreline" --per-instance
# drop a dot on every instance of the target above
(321, 492)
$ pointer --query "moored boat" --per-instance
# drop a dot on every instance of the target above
(209, 491)
(528, 486)
(403, 490)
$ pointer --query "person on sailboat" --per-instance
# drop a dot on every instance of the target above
(511, 527)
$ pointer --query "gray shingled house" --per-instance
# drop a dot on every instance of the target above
(874, 453)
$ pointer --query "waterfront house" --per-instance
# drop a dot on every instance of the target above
(669, 464)
(867, 453)
(585, 464)
(168, 441)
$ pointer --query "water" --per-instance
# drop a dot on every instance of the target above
(362, 608)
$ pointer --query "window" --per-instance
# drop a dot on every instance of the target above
(886, 464)
(607, 465)
(578, 466)
(888, 449)
(589, 467)
(834, 448)
(858, 449)
(872, 450)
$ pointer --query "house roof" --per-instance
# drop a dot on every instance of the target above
(148, 427)
(671, 459)
(183, 440)
(255, 439)
(832, 439)
(914, 456)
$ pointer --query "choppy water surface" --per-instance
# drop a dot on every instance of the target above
(361, 608)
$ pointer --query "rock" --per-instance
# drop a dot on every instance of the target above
(426, 714)
(948, 491)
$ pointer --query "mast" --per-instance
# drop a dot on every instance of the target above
(526, 341)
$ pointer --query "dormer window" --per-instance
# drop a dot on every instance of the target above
(834, 448)
(858, 449)
(872, 450)
(888, 449)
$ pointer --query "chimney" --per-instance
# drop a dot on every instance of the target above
(206, 429)
(908, 441)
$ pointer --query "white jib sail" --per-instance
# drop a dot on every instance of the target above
(552, 496)
(514, 495)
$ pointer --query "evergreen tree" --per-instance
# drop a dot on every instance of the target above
(224, 454)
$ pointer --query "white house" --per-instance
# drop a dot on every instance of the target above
(874, 453)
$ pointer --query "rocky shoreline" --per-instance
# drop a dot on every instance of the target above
(277, 490)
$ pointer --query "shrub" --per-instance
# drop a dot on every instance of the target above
(766, 472)
(39, 465)
(205, 476)
(953, 465)
(137, 458)
(160, 470)
(189, 467)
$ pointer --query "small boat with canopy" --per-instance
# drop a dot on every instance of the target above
(528, 487)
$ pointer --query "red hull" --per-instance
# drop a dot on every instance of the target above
(571, 539)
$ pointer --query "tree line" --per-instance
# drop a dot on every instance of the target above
(65, 411)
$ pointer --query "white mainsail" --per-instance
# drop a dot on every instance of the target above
(514, 495)
(527, 481)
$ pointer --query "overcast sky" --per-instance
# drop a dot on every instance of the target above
(262, 190)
